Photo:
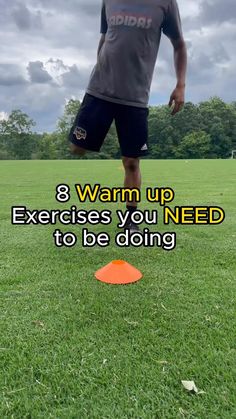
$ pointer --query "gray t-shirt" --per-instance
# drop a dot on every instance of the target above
(124, 69)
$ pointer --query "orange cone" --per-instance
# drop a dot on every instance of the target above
(118, 272)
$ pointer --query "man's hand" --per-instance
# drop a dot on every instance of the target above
(177, 99)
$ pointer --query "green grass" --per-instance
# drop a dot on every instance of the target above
(72, 347)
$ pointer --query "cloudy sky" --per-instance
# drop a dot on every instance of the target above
(48, 49)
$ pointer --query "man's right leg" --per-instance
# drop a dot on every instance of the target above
(75, 149)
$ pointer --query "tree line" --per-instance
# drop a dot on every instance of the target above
(200, 131)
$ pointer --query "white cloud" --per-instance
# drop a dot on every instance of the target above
(3, 116)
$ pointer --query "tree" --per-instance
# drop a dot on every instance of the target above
(63, 129)
(16, 135)
(110, 146)
(67, 119)
(47, 147)
(195, 145)
(219, 120)
(205, 130)
(221, 145)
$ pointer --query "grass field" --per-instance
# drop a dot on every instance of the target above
(72, 347)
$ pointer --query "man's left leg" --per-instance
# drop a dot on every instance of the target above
(132, 174)
(132, 129)
(132, 179)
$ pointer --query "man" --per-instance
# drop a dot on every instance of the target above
(120, 82)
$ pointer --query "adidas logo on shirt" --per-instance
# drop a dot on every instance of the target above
(140, 22)
(144, 147)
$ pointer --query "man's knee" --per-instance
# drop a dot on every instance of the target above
(131, 164)
(77, 150)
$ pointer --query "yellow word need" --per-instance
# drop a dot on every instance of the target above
(194, 215)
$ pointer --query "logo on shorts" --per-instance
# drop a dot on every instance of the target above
(80, 133)
(144, 147)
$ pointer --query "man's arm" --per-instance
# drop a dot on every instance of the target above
(101, 42)
(180, 61)
(103, 28)
(173, 30)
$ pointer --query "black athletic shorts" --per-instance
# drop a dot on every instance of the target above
(95, 117)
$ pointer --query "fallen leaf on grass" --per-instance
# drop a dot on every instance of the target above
(190, 386)
(38, 323)
(162, 362)
(132, 323)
